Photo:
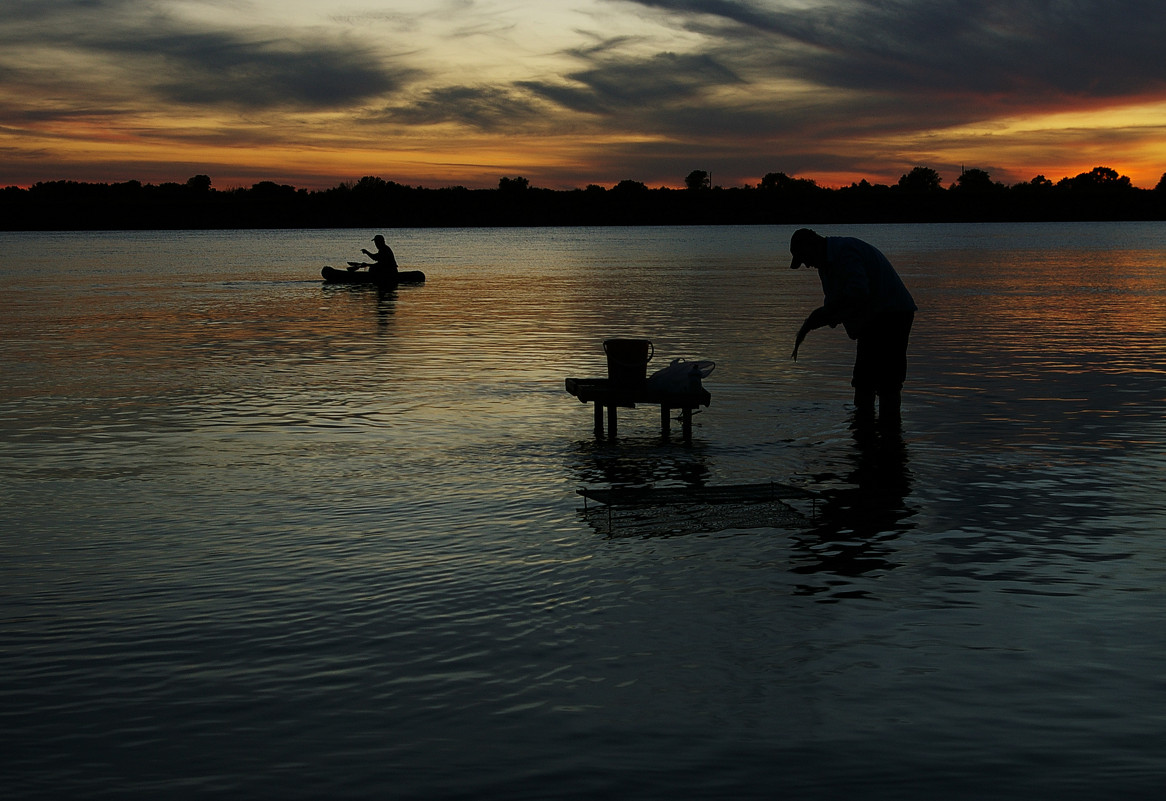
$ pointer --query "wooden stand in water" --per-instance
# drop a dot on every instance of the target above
(604, 393)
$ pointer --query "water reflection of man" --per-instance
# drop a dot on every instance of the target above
(860, 518)
(865, 294)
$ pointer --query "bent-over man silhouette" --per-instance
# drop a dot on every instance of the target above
(865, 294)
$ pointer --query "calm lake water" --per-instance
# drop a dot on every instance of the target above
(266, 538)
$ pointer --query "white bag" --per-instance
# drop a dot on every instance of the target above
(680, 376)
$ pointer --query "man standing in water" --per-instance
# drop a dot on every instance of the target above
(865, 294)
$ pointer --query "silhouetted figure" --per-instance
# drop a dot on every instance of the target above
(384, 262)
(865, 294)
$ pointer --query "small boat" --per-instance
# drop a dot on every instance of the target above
(335, 276)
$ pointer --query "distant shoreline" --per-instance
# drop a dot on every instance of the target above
(1100, 195)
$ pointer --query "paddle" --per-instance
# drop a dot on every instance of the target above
(356, 265)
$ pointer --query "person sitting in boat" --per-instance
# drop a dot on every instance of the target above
(384, 262)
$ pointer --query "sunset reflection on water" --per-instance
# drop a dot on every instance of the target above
(253, 521)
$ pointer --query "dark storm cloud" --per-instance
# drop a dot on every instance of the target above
(483, 107)
(616, 84)
(1033, 50)
(237, 69)
(679, 96)
(173, 62)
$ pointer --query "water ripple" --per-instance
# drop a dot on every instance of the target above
(267, 538)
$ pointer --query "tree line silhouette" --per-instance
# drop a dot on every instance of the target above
(372, 202)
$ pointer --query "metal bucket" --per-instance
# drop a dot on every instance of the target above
(627, 360)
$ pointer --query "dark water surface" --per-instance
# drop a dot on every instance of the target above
(267, 538)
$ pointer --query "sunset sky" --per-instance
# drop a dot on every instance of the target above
(568, 93)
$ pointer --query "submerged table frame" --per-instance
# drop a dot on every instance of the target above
(605, 394)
